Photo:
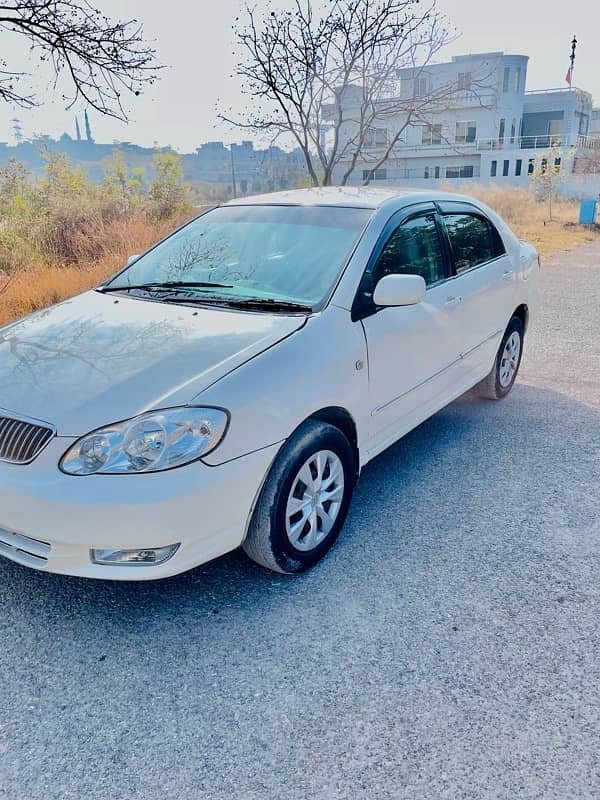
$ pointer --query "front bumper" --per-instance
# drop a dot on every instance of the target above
(50, 521)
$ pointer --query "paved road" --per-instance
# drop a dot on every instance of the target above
(448, 648)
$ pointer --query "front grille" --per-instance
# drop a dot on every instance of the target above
(23, 549)
(21, 441)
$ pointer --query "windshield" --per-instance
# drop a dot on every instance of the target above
(286, 253)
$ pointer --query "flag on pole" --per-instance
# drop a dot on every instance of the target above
(569, 75)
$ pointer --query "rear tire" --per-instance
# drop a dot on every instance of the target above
(500, 380)
(304, 501)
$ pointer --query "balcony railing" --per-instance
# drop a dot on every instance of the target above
(589, 142)
(580, 94)
(482, 145)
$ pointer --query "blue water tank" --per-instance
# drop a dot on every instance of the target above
(587, 212)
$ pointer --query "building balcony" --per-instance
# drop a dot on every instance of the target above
(447, 147)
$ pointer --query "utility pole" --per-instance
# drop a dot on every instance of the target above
(233, 182)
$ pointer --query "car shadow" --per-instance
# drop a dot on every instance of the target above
(450, 475)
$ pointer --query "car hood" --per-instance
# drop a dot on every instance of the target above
(97, 359)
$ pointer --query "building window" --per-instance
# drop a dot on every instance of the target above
(557, 162)
(465, 132)
(554, 133)
(505, 167)
(544, 165)
(517, 79)
(513, 130)
(464, 80)
(375, 137)
(518, 166)
(426, 172)
(506, 79)
(501, 131)
(584, 123)
(493, 169)
(530, 166)
(420, 87)
(377, 174)
(431, 134)
(406, 87)
(436, 172)
(460, 172)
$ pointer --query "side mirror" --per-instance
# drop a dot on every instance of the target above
(131, 259)
(399, 290)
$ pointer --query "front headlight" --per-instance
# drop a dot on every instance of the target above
(152, 442)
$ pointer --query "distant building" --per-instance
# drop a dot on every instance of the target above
(490, 129)
(212, 163)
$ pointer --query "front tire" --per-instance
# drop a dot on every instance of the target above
(304, 501)
(500, 380)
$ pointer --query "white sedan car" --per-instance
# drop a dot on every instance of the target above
(227, 387)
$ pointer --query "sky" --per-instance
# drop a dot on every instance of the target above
(196, 41)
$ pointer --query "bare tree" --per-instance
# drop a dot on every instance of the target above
(101, 58)
(337, 72)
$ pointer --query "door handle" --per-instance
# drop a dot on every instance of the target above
(507, 275)
(452, 302)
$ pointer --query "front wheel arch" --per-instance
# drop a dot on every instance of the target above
(341, 419)
(522, 313)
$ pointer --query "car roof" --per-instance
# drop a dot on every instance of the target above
(347, 196)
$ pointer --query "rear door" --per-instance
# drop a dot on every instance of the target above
(485, 285)
(413, 351)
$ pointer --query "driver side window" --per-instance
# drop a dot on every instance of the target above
(414, 248)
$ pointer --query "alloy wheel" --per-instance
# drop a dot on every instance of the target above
(315, 499)
(509, 360)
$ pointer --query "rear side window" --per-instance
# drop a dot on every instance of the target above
(473, 239)
(414, 248)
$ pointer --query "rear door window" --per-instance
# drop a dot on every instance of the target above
(473, 240)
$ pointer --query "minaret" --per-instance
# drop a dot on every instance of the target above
(88, 131)
(77, 129)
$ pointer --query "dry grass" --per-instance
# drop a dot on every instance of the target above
(39, 285)
(529, 218)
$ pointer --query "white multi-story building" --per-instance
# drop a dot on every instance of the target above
(487, 128)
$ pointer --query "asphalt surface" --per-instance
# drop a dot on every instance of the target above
(449, 647)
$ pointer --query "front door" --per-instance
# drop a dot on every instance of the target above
(413, 350)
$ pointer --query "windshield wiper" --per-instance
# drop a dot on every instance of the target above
(167, 285)
(172, 287)
(268, 303)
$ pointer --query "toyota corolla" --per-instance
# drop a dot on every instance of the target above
(226, 387)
